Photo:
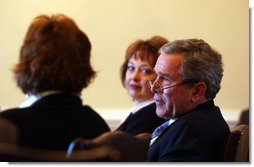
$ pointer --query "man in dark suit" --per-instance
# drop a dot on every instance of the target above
(189, 73)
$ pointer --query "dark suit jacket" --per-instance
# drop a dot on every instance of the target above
(195, 136)
(144, 120)
(54, 121)
(244, 117)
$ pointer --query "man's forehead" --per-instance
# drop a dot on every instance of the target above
(169, 60)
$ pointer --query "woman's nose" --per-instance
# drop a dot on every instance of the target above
(135, 75)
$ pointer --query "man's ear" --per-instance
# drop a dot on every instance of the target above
(199, 90)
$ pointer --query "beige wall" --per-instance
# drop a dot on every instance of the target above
(113, 24)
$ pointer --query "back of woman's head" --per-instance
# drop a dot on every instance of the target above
(55, 55)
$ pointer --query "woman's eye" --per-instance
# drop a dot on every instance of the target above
(147, 71)
(130, 68)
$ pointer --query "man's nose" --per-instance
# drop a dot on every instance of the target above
(155, 88)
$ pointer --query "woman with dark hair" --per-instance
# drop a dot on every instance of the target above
(53, 68)
(136, 69)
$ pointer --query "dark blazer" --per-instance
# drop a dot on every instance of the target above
(195, 136)
(144, 120)
(244, 117)
(54, 121)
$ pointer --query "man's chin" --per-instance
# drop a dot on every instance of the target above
(161, 112)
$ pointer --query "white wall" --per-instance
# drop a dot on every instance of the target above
(113, 24)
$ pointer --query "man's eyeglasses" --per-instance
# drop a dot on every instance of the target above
(160, 89)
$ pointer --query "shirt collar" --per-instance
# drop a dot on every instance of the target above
(137, 107)
(32, 98)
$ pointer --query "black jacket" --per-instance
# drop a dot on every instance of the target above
(144, 120)
(196, 136)
(54, 121)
